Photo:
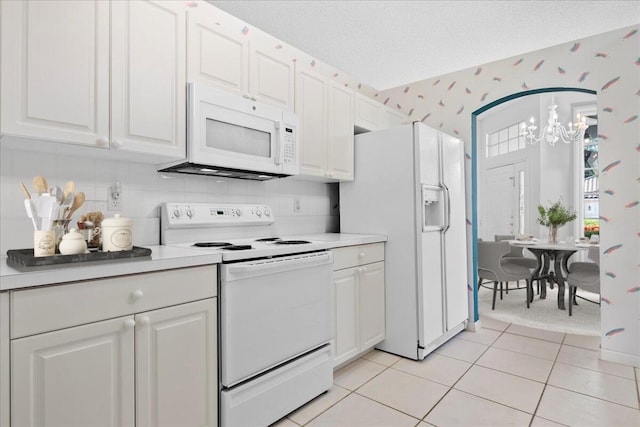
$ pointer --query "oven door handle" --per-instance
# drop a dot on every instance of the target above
(275, 265)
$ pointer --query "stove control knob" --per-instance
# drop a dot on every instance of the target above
(267, 212)
(177, 213)
(238, 212)
(259, 213)
(189, 213)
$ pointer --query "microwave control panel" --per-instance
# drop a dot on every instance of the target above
(289, 144)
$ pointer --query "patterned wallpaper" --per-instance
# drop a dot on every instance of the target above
(608, 64)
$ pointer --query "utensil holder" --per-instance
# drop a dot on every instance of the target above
(44, 243)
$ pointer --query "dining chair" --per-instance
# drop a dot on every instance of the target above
(586, 276)
(492, 267)
(516, 256)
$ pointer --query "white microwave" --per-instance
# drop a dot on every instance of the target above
(234, 136)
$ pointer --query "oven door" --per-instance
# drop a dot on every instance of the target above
(230, 131)
(273, 310)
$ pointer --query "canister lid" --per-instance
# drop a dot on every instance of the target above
(117, 221)
(73, 234)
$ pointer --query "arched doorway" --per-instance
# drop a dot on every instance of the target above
(474, 170)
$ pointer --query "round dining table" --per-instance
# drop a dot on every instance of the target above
(546, 253)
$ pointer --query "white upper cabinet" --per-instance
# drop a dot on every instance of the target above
(148, 94)
(217, 56)
(250, 64)
(393, 117)
(55, 70)
(340, 132)
(325, 110)
(368, 114)
(271, 74)
(311, 108)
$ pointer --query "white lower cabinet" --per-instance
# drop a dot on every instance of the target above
(155, 365)
(359, 300)
(176, 366)
(81, 376)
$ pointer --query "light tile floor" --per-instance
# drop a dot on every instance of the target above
(503, 374)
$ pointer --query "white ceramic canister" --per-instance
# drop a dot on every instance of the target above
(73, 243)
(117, 234)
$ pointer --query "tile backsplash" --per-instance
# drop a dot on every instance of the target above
(144, 189)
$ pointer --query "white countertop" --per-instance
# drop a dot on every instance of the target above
(162, 258)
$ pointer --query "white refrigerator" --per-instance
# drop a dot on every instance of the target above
(409, 185)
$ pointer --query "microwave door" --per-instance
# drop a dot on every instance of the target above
(235, 139)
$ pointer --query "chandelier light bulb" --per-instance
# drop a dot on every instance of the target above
(555, 131)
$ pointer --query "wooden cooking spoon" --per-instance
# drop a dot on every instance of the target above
(78, 200)
(40, 184)
(69, 188)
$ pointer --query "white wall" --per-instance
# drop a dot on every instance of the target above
(143, 189)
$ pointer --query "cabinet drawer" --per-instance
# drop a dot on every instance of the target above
(49, 308)
(357, 255)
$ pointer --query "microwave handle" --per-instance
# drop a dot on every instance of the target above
(278, 125)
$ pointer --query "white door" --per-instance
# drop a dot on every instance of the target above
(499, 201)
(371, 304)
(340, 132)
(345, 287)
(148, 63)
(75, 377)
(55, 70)
(217, 56)
(271, 74)
(311, 108)
(176, 366)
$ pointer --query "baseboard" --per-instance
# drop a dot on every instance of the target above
(474, 326)
(617, 357)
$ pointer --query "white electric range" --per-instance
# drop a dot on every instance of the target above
(275, 308)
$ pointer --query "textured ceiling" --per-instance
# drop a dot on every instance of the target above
(390, 43)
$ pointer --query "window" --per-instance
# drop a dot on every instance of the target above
(504, 141)
(591, 182)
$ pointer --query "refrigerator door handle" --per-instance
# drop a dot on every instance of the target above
(447, 209)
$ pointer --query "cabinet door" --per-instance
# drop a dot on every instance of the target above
(394, 118)
(81, 376)
(217, 56)
(340, 132)
(346, 314)
(311, 108)
(148, 92)
(271, 74)
(367, 113)
(55, 70)
(371, 304)
(176, 366)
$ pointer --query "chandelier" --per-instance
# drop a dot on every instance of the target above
(554, 131)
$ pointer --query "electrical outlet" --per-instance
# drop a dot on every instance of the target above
(114, 197)
(297, 206)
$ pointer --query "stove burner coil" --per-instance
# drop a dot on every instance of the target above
(268, 239)
(237, 247)
(211, 244)
(291, 242)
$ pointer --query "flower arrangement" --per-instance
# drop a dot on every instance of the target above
(554, 217)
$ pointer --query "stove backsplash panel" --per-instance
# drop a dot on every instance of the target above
(143, 189)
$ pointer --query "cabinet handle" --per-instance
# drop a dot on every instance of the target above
(364, 269)
(136, 295)
(360, 269)
(102, 142)
(362, 255)
(117, 144)
(129, 323)
(144, 320)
